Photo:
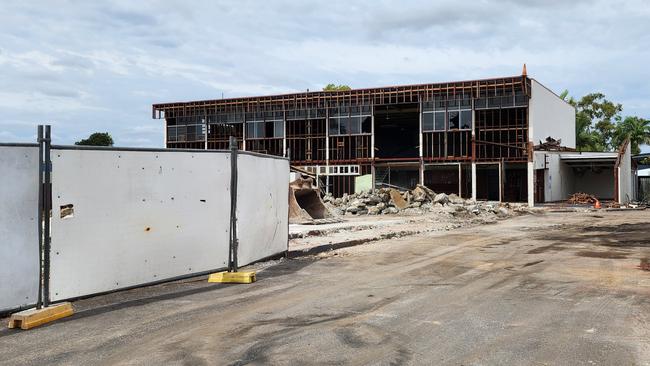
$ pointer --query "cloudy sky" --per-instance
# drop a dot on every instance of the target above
(90, 66)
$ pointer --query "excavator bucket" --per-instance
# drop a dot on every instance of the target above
(305, 204)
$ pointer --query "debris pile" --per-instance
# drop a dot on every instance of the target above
(582, 198)
(552, 144)
(385, 201)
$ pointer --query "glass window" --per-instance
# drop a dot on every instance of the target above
(439, 121)
(278, 129)
(427, 121)
(334, 126)
(259, 130)
(180, 133)
(366, 124)
(466, 119)
(343, 126)
(453, 120)
(355, 125)
(171, 133)
(250, 130)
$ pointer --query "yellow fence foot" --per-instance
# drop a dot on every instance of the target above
(31, 318)
(232, 277)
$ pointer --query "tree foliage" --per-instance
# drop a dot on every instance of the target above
(600, 126)
(634, 128)
(334, 87)
(97, 139)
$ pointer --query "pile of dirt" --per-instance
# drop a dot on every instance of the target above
(387, 201)
(582, 198)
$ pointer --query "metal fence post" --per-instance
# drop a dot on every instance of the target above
(41, 201)
(47, 205)
(234, 244)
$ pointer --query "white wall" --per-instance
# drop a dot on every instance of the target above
(558, 177)
(262, 207)
(625, 179)
(139, 217)
(550, 116)
(599, 184)
(555, 180)
(19, 270)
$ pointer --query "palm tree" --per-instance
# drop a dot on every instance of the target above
(634, 128)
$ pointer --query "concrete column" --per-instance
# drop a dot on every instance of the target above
(531, 184)
(372, 133)
(420, 147)
(284, 134)
(421, 172)
(473, 180)
(460, 180)
(327, 150)
(501, 181)
(243, 133)
(165, 134)
(205, 135)
(420, 130)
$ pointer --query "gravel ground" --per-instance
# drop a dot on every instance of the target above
(553, 289)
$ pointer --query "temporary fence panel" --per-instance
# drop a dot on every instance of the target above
(19, 270)
(262, 206)
(126, 218)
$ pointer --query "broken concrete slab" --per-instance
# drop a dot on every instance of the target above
(398, 200)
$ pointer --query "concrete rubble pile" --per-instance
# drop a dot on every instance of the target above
(386, 201)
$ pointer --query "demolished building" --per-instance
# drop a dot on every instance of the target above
(471, 138)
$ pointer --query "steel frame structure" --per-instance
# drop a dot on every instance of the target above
(499, 130)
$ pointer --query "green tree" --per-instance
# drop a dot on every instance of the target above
(634, 128)
(334, 87)
(97, 139)
(596, 119)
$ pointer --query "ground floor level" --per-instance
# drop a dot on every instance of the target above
(550, 176)
(554, 288)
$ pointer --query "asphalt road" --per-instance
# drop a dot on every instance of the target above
(557, 289)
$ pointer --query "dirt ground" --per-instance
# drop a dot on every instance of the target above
(551, 289)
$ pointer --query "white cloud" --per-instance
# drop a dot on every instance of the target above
(103, 67)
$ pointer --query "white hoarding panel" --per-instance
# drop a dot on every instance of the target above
(126, 218)
(262, 207)
(19, 269)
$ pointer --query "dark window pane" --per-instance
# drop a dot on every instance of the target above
(366, 124)
(268, 129)
(439, 121)
(427, 121)
(171, 121)
(466, 119)
(343, 126)
(250, 130)
(180, 133)
(355, 125)
(171, 133)
(334, 126)
(453, 120)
